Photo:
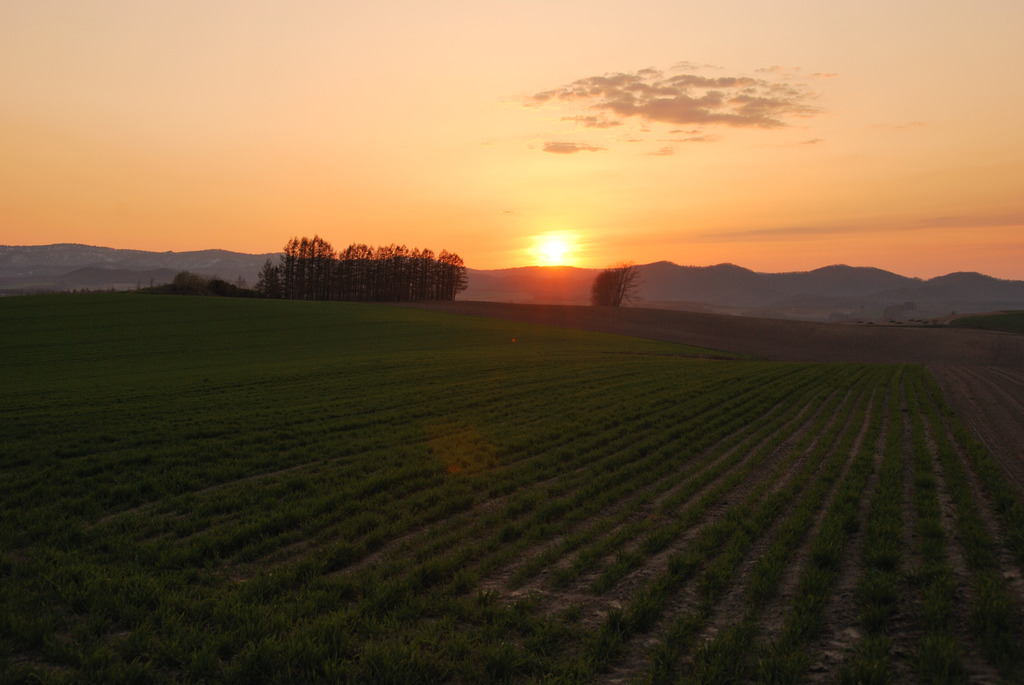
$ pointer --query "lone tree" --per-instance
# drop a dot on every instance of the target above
(615, 285)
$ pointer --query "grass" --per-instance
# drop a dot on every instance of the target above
(208, 490)
(879, 587)
(996, 623)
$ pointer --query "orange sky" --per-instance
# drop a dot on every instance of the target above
(779, 136)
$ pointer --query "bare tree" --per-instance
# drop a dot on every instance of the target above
(615, 285)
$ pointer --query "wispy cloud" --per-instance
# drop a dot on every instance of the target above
(594, 121)
(684, 99)
(876, 226)
(776, 233)
(693, 139)
(900, 127)
(970, 221)
(570, 148)
(694, 66)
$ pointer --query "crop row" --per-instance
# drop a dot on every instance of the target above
(449, 505)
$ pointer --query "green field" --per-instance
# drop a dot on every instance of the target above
(226, 490)
(1010, 322)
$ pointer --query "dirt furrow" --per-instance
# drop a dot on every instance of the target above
(481, 508)
(904, 626)
(773, 613)
(991, 408)
(841, 630)
(760, 470)
(966, 594)
(539, 583)
(1007, 564)
(579, 592)
(689, 598)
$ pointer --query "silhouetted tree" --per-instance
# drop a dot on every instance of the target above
(320, 276)
(290, 278)
(269, 282)
(310, 269)
(453, 276)
(615, 285)
(188, 283)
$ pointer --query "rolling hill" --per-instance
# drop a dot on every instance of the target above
(831, 293)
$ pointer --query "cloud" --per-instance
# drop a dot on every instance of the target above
(684, 99)
(594, 121)
(693, 139)
(570, 148)
(900, 127)
(770, 234)
(693, 66)
(970, 221)
(663, 152)
(880, 225)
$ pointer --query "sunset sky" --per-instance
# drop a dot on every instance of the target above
(780, 136)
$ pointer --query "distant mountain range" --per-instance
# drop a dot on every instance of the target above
(834, 293)
(831, 293)
(65, 267)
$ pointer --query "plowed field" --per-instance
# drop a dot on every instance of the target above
(201, 490)
(990, 400)
(981, 372)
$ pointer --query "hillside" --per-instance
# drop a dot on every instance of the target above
(831, 293)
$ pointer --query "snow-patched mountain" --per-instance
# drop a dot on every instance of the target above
(68, 266)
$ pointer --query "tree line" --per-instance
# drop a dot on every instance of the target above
(310, 269)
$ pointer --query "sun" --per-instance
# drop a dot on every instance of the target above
(553, 249)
